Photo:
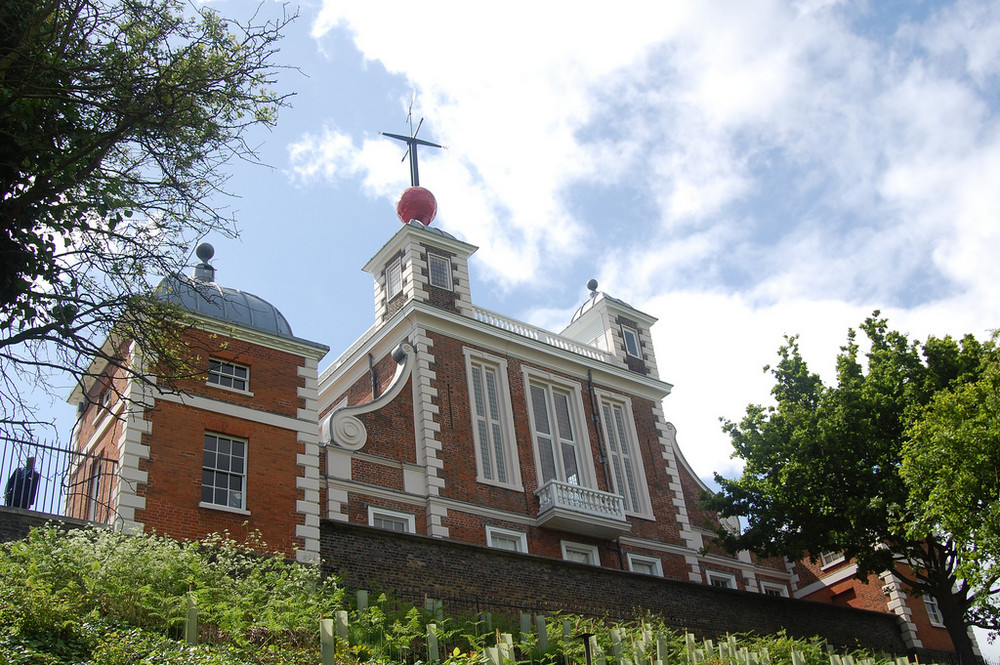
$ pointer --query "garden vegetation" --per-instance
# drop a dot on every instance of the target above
(97, 597)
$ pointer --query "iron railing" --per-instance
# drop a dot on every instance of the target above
(62, 482)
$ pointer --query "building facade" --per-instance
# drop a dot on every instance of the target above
(443, 420)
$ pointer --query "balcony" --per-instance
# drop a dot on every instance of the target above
(581, 510)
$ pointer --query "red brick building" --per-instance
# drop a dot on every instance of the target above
(444, 420)
(234, 450)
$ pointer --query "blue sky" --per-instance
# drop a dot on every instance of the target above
(740, 170)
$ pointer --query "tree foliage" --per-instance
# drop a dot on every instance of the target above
(823, 464)
(117, 119)
(951, 465)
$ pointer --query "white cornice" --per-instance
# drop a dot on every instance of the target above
(417, 233)
(242, 412)
(838, 576)
(297, 346)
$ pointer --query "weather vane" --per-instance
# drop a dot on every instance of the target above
(412, 142)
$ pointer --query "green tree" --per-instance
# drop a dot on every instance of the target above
(822, 468)
(951, 465)
(117, 119)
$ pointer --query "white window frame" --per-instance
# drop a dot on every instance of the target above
(217, 376)
(637, 502)
(589, 551)
(933, 611)
(94, 482)
(651, 562)
(241, 505)
(406, 519)
(106, 397)
(711, 576)
(551, 384)
(495, 533)
(445, 270)
(628, 332)
(394, 279)
(828, 559)
(773, 589)
(488, 471)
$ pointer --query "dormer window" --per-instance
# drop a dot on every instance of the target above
(394, 279)
(631, 336)
(440, 271)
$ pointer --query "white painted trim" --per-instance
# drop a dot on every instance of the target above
(347, 431)
(728, 578)
(520, 536)
(224, 509)
(506, 419)
(590, 551)
(386, 513)
(639, 558)
(491, 339)
(585, 455)
(839, 576)
(780, 588)
(835, 558)
(237, 411)
(625, 402)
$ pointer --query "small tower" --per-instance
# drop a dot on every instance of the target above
(614, 326)
(420, 263)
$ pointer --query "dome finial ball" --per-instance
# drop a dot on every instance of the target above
(205, 252)
(416, 203)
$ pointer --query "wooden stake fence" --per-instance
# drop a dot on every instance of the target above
(648, 648)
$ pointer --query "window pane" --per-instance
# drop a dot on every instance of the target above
(563, 419)
(498, 450)
(440, 271)
(569, 464)
(477, 392)
(631, 341)
(546, 458)
(222, 475)
(540, 409)
(484, 450)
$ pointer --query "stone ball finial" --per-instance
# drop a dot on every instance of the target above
(205, 252)
(592, 284)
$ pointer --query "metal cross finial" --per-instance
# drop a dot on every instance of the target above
(412, 142)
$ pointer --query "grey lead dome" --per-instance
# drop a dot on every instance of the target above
(201, 295)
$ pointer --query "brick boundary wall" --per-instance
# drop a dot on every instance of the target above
(417, 566)
(16, 522)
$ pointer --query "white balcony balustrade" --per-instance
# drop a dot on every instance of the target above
(581, 510)
(540, 335)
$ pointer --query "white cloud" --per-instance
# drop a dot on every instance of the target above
(795, 171)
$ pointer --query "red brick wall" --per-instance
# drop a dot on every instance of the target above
(173, 491)
(472, 575)
(274, 378)
(459, 456)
